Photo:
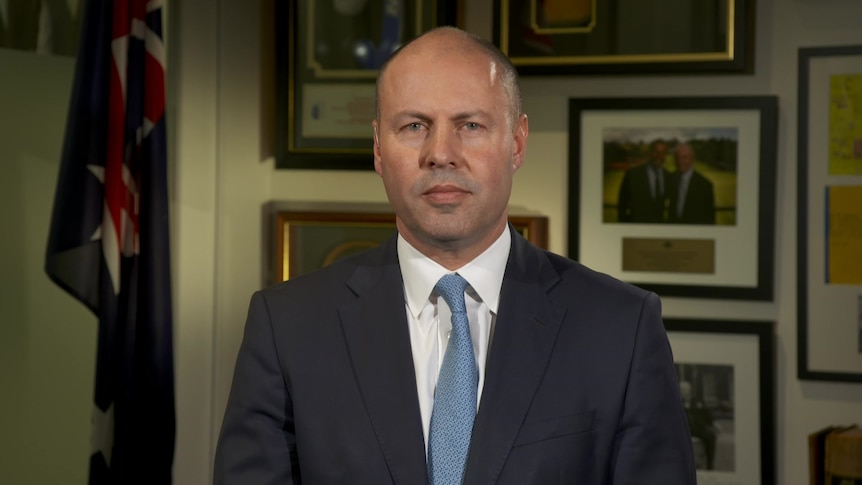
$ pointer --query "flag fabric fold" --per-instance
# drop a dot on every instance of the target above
(109, 246)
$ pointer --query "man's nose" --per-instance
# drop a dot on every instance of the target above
(441, 148)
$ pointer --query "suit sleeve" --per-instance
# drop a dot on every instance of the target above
(653, 443)
(257, 443)
(710, 202)
(624, 211)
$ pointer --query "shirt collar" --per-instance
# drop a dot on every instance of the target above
(484, 273)
(687, 174)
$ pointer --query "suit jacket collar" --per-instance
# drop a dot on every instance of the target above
(524, 337)
(378, 340)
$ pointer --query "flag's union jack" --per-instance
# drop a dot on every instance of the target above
(109, 245)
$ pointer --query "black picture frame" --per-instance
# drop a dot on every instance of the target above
(627, 37)
(742, 252)
(324, 90)
(747, 347)
(829, 315)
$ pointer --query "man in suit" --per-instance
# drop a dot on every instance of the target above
(692, 200)
(344, 373)
(643, 194)
(700, 422)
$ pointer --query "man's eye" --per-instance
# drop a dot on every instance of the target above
(414, 127)
(471, 125)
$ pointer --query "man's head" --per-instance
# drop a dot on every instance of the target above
(448, 139)
(685, 391)
(657, 153)
(507, 72)
(683, 156)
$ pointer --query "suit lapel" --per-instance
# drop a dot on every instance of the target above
(376, 333)
(524, 335)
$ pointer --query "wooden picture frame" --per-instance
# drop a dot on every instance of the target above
(734, 143)
(309, 238)
(829, 198)
(730, 370)
(626, 36)
(327, 58)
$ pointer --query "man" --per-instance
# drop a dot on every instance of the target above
(643, 194)
(692, 200)
(568, 377)
(700, 422)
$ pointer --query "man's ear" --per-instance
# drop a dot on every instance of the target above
(376, 147)
(519, 145)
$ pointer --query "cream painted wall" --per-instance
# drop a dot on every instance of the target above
(47, 339)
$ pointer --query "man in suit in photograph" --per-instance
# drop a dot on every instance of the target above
(692, 199)
(643, 195)
(456, 352)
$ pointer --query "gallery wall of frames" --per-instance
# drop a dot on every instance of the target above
(673, 194)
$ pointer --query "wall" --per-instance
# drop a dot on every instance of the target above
(47, 339)
(220, 106)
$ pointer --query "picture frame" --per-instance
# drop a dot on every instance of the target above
(725, 252)
(829, 198)
(311, 237)
(729, 368)
(626, 36)
(327, 58)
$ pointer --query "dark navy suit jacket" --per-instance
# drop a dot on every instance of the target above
(579, 388)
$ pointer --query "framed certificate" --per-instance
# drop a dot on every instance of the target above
(327, 58)
(829, 224)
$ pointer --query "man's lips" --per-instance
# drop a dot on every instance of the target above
(443, 194)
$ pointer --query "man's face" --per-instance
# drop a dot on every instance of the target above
(445, 146)
(658, 153)
(684, 158)
(685, 391)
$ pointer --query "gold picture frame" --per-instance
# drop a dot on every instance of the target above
(309, 238)
(625, 36)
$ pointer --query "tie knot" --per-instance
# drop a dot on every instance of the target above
(451, 287)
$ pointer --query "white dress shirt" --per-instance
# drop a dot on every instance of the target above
(429, 318)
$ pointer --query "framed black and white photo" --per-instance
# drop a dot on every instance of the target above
(829, 224)
(726, 378)
(676, 195)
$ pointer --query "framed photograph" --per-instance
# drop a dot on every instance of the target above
(626, 36)
(328, 54)
(829, 227)
(676, 195)
(725, 371)
(310, 239)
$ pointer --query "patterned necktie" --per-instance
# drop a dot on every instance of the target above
(455, 399)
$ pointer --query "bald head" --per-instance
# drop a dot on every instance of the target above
(451, 41)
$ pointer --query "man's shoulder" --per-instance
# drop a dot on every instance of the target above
(331, 279)
(576, 276)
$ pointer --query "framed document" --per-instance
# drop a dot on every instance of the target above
(676, 195)
(327, 58)
(829, 226)
(726, 380)
(626, 36)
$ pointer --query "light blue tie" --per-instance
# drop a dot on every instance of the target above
(455, 399)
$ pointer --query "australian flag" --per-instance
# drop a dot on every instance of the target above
(108, 245)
